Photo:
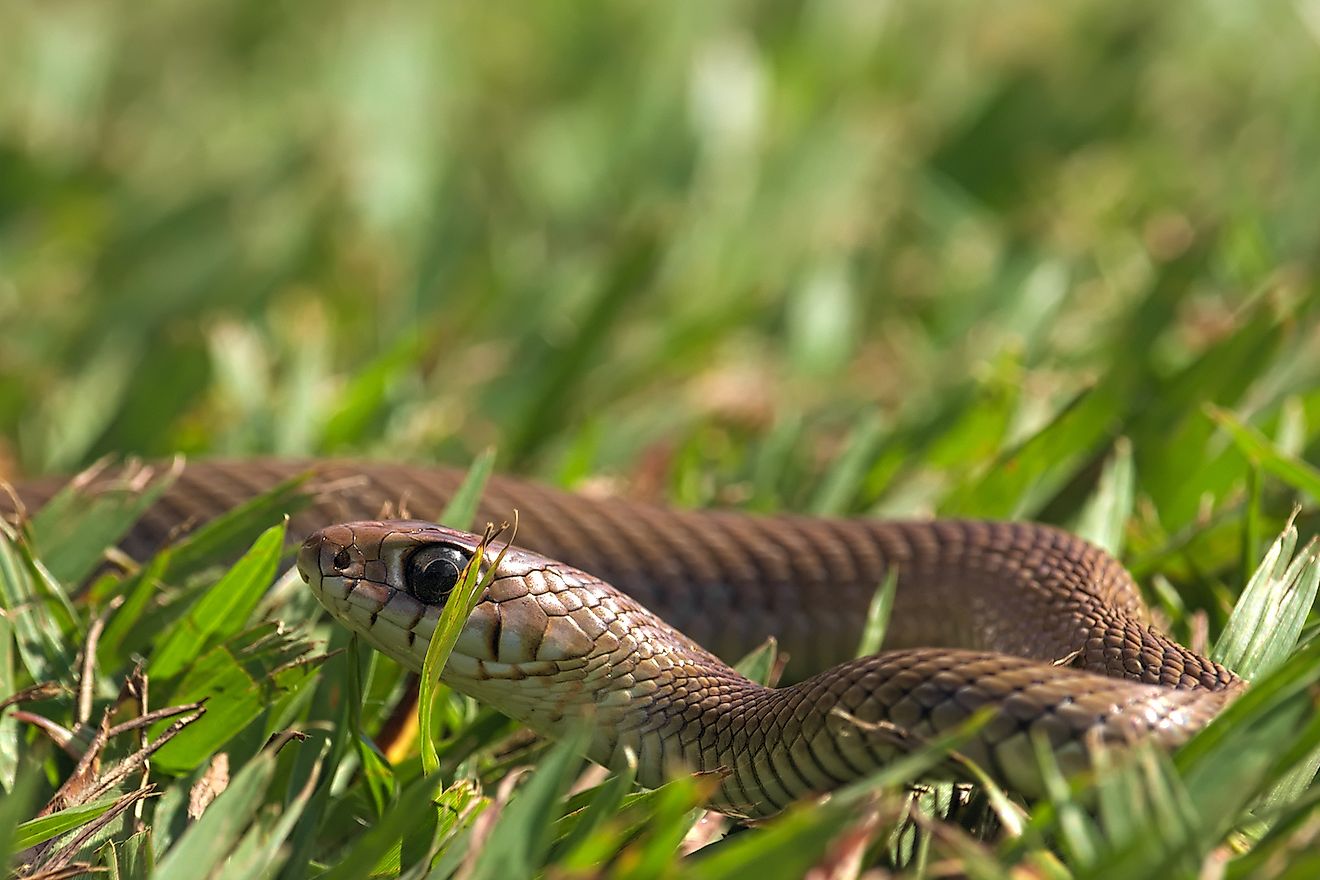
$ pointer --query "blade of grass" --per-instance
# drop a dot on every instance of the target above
(522, 836)
(209, 840)
(1106, 513)
(385, 836)
(224, 609)
(844, 478)
(42, 648)
(452, 618)
(1258, 448)
(1272, 609)
(578, 825)
(239, 679)
(759, 665)
(459, 513)
(377, 773)
(228, 534)
(43, 828)
(1020, 481)
(877, 615)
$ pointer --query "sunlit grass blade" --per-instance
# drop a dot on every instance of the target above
(34, 613)
(142, 616)
(209, 840)
(1079, 837)
(239, 679)
(9, 734)
(630, 821)
(452, 618)
(1272, 609)
(1019, 481)
(224, 609)
(791, 842)
(877, 615)
(227, 535)
(759, 664)
(1107, 512)
(35, 831)
(840, 484)
(1255, 744)
(263, 850)
(675, 811)
(459, 513)
(602, 803)
(367, 395)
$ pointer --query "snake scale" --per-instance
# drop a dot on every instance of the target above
(618, 611)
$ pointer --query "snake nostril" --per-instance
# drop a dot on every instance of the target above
(341, 559)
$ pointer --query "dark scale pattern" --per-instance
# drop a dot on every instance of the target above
(982, 609)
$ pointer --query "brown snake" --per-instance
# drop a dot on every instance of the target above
(1034, 622)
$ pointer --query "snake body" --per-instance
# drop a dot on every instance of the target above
(588, 617)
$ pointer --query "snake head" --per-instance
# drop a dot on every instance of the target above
(389, 581)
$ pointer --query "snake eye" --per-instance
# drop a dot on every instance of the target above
(433, 572)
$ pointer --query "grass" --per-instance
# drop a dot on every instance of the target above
(1033, 260)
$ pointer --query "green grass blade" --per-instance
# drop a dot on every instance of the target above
(209, 840)
(263, 850)
(461, 511)
(1269, 616)
(759, 664)
(459, 514)
(877, 615)
(227, 535)
(239, 679)
(41, 644)
(376, 771)
(383, 840)
(1020, 481)
(1106, 513)
(1293, 471)
(35, 831)
(839, 487)
(579, 824)
(519, 842)
(224, 609)
(448, 625)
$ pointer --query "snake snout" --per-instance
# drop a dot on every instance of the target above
(330, 552)
(309, 558)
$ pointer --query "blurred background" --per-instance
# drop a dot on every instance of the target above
(834, 256)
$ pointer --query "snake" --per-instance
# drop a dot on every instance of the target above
(623, 615)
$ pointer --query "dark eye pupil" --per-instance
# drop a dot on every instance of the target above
(433, 573)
